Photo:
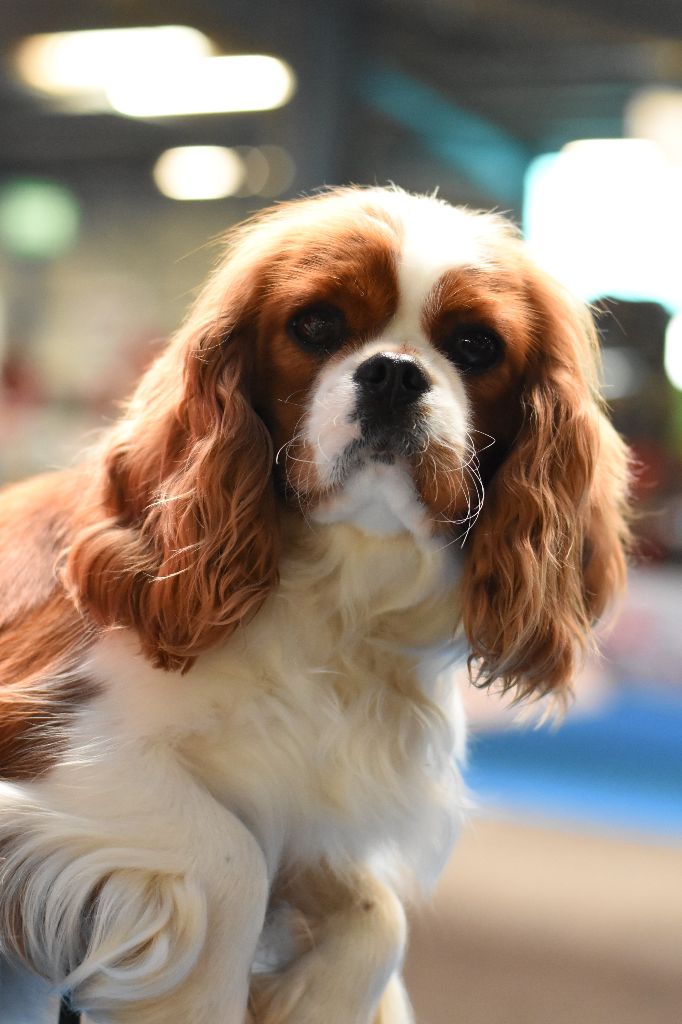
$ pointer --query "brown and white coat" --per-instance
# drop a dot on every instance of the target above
(227, 731)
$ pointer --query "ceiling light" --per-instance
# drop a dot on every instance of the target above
(69, 63)
(611, 150)
(656, 114)
(213, 85)
(199, 172)
(605, 217)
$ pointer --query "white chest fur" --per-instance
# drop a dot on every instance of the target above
(328, 724)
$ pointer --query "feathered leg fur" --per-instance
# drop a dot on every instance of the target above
(152, 920)
(356, 940)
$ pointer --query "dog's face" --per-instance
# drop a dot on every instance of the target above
(383, 359)
(396, 339)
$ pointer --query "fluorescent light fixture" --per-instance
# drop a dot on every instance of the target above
(199, 172)
(656, 114)
(672, 359)
(214, 85)
(605, 217)
(71, 63)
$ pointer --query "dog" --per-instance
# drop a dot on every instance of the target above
(230, 747)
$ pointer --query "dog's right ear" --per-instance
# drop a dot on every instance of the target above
(183, 545)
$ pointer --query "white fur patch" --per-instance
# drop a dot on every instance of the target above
(436, 238)
(378, 499)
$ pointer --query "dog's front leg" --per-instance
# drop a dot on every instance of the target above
(354, 930)
(147, 918)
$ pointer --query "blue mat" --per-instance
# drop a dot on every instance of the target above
(620, 768)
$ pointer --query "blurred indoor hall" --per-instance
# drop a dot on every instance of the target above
(133, 135)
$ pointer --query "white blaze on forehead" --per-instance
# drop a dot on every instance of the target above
(433, 238)
(436, 237)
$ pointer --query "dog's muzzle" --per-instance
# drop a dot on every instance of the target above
(389, 387)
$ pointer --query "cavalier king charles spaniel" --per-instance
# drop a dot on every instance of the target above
(230, 745)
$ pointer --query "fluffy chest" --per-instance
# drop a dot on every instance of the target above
(329, 723)
(332, 758)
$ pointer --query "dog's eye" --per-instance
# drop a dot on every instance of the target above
(475, 349)
(320, 328)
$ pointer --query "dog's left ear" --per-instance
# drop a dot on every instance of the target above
(548, 552)
(183, 543)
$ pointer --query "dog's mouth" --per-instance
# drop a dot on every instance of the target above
(387, 458)
(385, 445)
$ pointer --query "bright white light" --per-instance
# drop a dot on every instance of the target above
(605, 217)
(656, 114)
(68, 63)
(199, 172)
(612, 152)
(672, 359)
(214, 85)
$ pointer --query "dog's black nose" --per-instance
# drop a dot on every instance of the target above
(391, 380)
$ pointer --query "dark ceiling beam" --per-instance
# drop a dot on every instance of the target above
(564, 21)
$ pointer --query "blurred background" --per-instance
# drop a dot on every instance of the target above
(123, 156)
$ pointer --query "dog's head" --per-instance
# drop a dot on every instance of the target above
(385, 359)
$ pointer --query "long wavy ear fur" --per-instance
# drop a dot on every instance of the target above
(548, 552)
(184, 545)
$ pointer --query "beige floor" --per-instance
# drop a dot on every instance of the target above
(531, 925)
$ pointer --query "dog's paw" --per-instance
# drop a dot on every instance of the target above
(301, 995)
(306, 995)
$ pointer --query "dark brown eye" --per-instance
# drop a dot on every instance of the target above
(475, 349)
(320, 328)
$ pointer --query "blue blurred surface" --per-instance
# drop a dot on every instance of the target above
(617, 768)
